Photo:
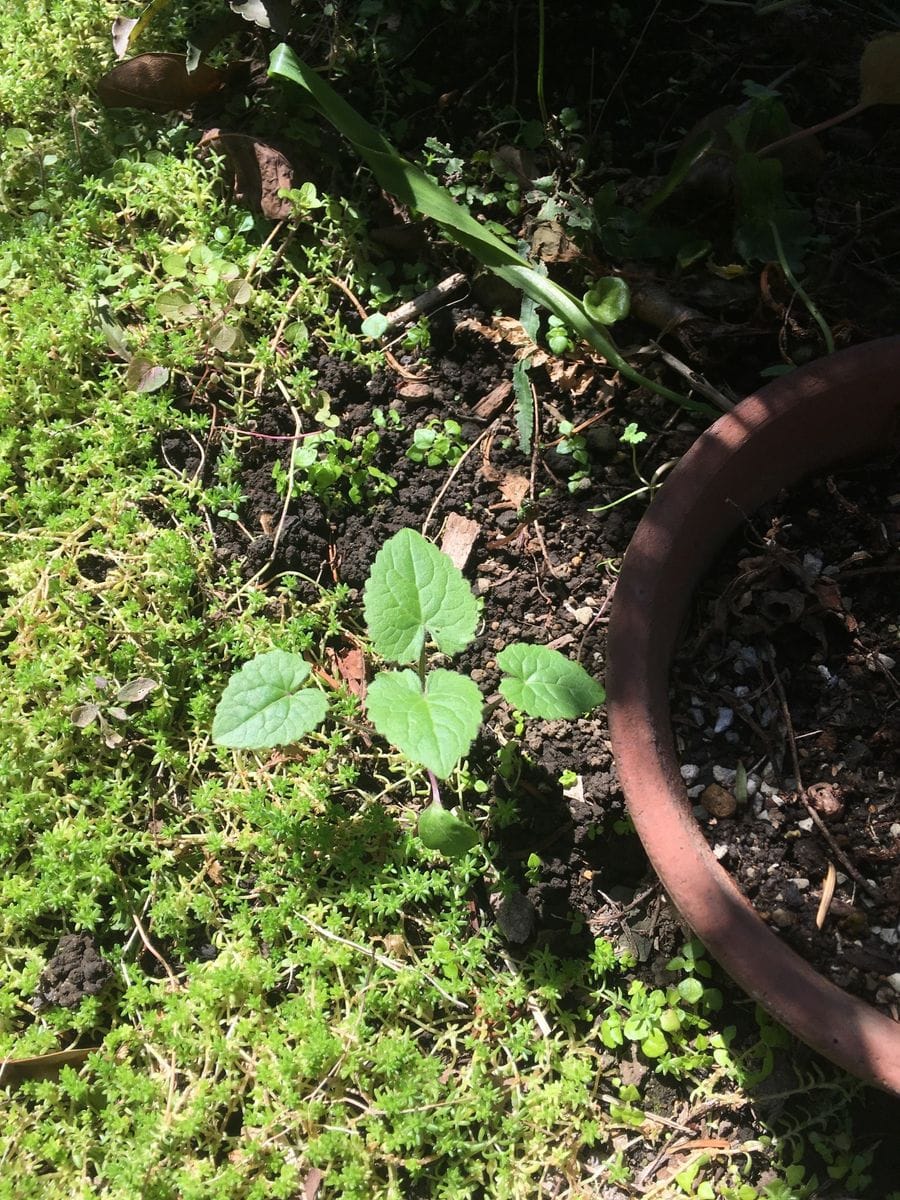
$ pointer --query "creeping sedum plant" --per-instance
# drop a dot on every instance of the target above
(415, 597)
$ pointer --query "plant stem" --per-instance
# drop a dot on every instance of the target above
(799, 134)
(807, 300)
(435, 789)
(542, 104)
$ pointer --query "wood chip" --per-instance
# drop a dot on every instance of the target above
(459, 538)
(514, 488)
(494, 402)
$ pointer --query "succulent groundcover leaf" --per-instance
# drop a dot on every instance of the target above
(262, 706)
(414, 588)
(435, 727)
(544, 683)
(441, 830)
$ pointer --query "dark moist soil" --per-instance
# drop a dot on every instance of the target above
(791, 663)
(546, 580)
(75, 970)
(640, 77)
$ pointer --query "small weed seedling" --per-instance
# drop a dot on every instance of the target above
(632, 436)
(101, 709)
(414, 593)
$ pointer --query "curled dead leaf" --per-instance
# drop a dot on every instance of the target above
(259, 171)
(122, 29)
(158, 82)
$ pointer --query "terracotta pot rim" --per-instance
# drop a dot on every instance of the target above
(842, 407)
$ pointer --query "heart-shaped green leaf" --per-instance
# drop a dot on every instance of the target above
(435, 727)
(544, 683)
(262, 706)
(412, 589)
(440, 830)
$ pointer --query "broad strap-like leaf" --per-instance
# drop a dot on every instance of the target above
(414, 588)
(440, 830)
(544, 683)
(418, 191)
(263, 704)
(435, 727)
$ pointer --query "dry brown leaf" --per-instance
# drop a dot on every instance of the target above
(214, 871)
(351, 667)
(879, 71)
(572, 377)
(514, 488)
(312, 1183)
(14, 1071)
(459, 538)
(550, 244)
(476, 327)
(158, 82)
(259, 171)
(511, 331)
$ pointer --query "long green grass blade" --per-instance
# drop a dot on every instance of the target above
(415, 189)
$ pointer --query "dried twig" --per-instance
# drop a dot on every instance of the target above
(389, 358)
(697, 382)
(433, 298)
(381, 959)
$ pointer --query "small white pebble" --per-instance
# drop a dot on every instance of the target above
(891, 936)
(806, 824)
(724, 775)
(690, 772)
(813, 564)
(895, 829)
(724, 718)
(721, 851)
(894, 981)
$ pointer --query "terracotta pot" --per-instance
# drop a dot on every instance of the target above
(842, 407)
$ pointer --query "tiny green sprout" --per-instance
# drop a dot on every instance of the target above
(632, 436)
(439, 443)
(559, 339)
(533, 866)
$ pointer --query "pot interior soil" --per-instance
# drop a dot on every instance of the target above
(786, 699)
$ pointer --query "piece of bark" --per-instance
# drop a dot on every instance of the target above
(494, 402)
(459, 538)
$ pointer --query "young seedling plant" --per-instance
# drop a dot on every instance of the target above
(415, 599)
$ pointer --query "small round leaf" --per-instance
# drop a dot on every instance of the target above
(608, 301)
(440, 830)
